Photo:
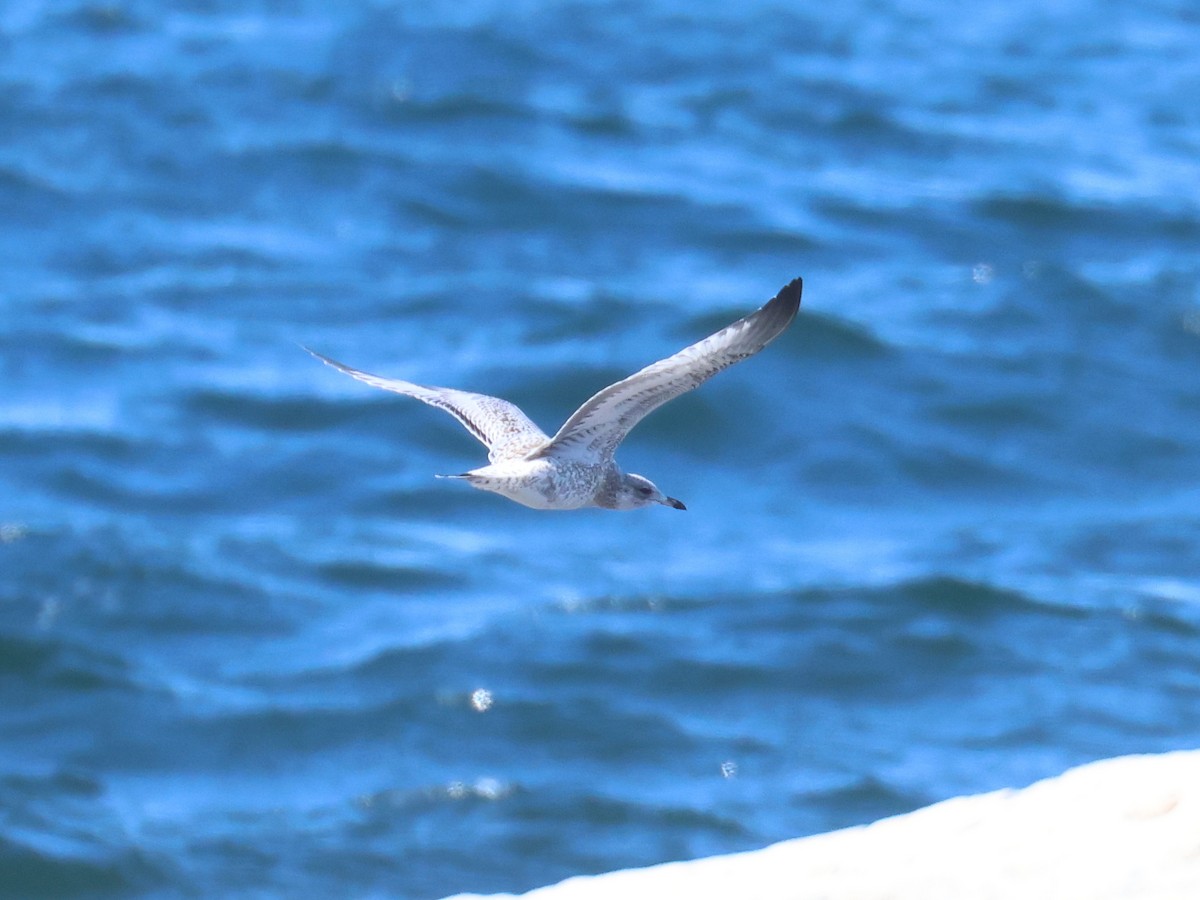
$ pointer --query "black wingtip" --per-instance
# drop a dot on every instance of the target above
(790, 292)
(782, 308)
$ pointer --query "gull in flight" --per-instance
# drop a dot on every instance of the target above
(576, 468)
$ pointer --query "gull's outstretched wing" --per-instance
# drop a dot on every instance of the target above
(596, 428)
(501, 426)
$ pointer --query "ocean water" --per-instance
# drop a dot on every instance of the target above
(942, 537)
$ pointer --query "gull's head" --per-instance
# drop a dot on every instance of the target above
(635, 491)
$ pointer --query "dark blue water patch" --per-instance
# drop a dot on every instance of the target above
(586, 728)
(472, 111)
(362, 575)
(1137, 547)
(342, 167)
(101, 20)
(31, 202)
(1054, 407)
(825, 339)
(435, 679)
(869, 798)
(1164, 616)
(1047, 214)
(517, 201)
(422, 498)
(934, 467)
(856, 214)
(57, 448)
(32, 873)
(930, 629)
(604, 122)
(169, 486)
(253, 743)
(554, 323)
(274, 414)
(84, 857)
(115, 579)
(861, 126)
(60, 665)
(1060, 303)
(646, 832)
(1179, 324)
(999, 416)
(439, 59)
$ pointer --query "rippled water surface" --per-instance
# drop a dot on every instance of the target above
(942, 537)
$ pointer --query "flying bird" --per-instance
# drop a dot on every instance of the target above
(576, 467)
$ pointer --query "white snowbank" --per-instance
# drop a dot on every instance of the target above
(1126, 828)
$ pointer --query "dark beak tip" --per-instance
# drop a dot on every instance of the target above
(676, 503)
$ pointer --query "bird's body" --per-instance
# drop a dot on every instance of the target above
(547, 483)
(576, 467)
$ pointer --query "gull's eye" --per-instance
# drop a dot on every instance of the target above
(644, 491)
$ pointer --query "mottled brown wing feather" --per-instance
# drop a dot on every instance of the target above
(501, 426)
(598, 427)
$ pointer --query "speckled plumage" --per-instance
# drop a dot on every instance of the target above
(576, 467)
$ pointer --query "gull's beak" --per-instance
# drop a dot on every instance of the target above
(677, 504)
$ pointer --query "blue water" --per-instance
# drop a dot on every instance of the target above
(942, 537)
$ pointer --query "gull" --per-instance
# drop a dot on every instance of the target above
(576, 467)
